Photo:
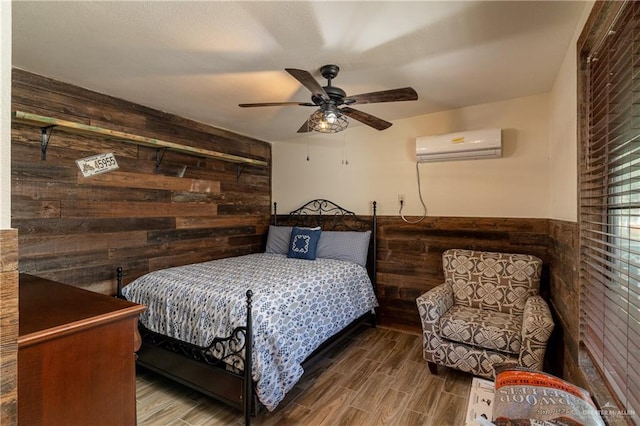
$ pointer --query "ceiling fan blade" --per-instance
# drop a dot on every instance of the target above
(305, 128)
(309, 82)
(393, 95)
(263, 104)
(365, 118)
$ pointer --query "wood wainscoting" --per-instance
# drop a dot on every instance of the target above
(159, 209)
(410, 263)
(410, 255)
(564, 250)
(9, 326)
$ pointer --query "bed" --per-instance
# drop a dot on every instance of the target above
(243, 329)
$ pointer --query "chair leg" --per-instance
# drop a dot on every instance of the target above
(433, 368)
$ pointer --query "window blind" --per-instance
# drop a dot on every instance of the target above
(610, 207)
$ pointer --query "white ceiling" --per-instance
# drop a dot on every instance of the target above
(201, 59)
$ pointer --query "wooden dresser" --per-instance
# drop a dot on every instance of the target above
(76, 356)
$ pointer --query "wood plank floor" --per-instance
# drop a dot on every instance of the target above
(377, 378)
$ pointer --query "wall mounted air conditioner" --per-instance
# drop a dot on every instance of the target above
(471, 145)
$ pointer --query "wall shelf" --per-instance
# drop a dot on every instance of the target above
(48, 123)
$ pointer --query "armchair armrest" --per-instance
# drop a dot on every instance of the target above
(433, 304)
(537, 325)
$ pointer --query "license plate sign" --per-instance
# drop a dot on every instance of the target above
(97, 164)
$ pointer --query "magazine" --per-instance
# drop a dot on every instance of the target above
(480, 407)
(526, 397)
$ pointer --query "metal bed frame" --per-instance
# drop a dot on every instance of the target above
(195, 367)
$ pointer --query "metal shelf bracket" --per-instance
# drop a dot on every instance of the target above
(239, 170)
(44, 144)
(159, 156)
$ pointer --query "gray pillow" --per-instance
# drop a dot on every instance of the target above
(344, 245)
(278, 239)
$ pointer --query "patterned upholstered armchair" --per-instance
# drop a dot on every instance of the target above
(487, 312)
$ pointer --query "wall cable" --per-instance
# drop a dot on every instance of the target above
(424, 206)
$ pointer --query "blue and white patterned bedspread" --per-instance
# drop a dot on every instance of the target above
(297, 305)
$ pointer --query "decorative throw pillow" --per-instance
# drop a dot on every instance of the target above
(303, 243)
(278, 239)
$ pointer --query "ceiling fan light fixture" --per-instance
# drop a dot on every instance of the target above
(328, 121)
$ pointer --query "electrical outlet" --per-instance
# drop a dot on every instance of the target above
(400, 198)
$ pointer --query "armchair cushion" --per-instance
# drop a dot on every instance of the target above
(499, 282)
(481, 328)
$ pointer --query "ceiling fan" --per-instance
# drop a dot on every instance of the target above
(334, 104)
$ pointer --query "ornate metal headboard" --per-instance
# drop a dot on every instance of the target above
(326, 214)
(331, 217)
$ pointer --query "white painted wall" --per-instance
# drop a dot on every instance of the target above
(536, 178)
(563, 134)
(382, 165)
(5, 114)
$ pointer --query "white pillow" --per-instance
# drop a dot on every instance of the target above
(344, 245)
(278, 239)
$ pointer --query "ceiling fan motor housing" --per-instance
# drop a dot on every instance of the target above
(336, 95)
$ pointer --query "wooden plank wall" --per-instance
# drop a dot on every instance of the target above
(9, 326)
(410, 256)
(564, 248)
(77, 230)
